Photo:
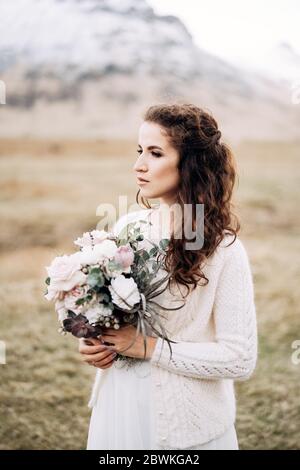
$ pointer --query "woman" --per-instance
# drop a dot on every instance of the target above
(188, 401)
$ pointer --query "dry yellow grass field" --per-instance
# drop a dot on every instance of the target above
(49, 195)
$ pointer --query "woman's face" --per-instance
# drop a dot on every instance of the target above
(157, 163)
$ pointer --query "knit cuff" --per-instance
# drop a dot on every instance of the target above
(161, 353)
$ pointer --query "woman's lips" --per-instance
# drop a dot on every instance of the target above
(141, 181)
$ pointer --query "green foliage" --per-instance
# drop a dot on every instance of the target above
(95, 278)
(164, 243)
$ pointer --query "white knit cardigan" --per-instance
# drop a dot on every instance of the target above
(216, 344)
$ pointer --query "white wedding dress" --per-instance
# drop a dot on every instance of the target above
(123, 415)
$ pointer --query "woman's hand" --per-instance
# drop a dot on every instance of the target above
(123, 337)
(96, 354)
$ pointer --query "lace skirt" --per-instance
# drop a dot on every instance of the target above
(123, 416)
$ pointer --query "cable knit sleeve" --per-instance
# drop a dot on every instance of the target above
(233, 354)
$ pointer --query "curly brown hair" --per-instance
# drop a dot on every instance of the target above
(207, 176)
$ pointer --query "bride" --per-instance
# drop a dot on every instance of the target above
(188, 401)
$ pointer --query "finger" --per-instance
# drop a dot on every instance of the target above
(109, 341)
(107, 337)
(87, 342)
(96, 357)
(110, 331)
(94, 340)
(107, 365)
(104, 365)
(105, 361)
(92, 349)
(84, 349)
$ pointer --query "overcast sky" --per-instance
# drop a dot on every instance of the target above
(241, 31)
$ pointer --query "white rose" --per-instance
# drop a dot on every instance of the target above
(107, 248)
(122, 289)
(99, 236)
(52, 293)
(93, 255)
(88, 256)
(91, 238)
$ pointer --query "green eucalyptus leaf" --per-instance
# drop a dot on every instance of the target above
(106, 298)
(95, 278)
(96, 270)
(113, 265)
(145, 255)
(164, 243)
(153, 252)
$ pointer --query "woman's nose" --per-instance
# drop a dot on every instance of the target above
(139, 166)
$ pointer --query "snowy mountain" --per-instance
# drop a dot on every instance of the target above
(89, 67)
(83, 37)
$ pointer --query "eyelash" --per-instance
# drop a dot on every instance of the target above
(153, 153)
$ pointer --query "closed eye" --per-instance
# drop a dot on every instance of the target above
(155, 154)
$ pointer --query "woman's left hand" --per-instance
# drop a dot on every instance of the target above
(123, 337)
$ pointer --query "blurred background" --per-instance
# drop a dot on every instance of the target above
(75, 79)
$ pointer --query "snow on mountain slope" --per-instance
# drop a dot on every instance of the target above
(89, 68)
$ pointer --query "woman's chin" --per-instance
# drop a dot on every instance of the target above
(145, 191)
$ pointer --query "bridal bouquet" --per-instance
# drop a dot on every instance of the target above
(109, 282)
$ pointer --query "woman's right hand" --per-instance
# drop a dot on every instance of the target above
(96, 354)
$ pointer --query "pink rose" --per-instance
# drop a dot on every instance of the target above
(70, 298)
(65, 273)
(124, 256)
